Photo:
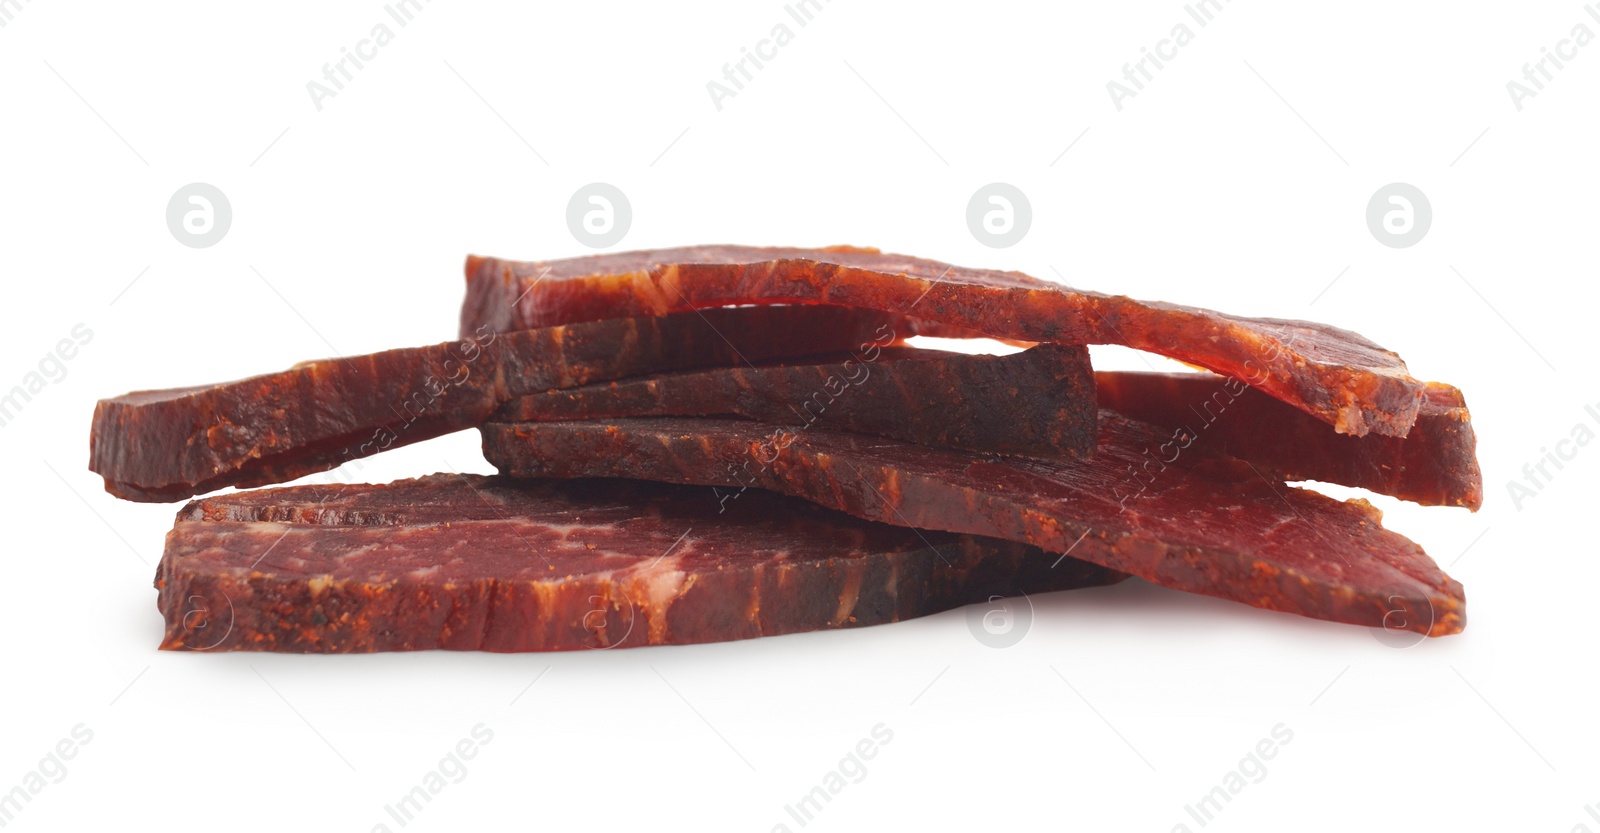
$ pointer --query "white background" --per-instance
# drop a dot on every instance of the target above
(1238, 179)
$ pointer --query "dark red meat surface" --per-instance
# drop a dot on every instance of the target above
(1334, 374)
(1435, 464)
(1184, 518)
(168, 445)
(1037, 403)
(465, 562)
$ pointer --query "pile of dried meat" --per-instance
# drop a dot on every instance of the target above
(716, 443)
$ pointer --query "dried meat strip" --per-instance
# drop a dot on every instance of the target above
(1026, 404)
(1037, 403)
(464, 562)
(168, 445)
(1436, 464)
(1336, 375)
(1186, 519)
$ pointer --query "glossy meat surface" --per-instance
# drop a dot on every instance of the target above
(1436, 464)
(1336, 375)
(168, 445)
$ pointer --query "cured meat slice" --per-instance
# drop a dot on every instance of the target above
(465, 562)
(1189, 520)
(167, 445)
(1435, 464)
(1336, 375)
(1038, 403)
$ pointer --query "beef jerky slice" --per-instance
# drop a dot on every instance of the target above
(1435, 464)
(1336, 375)
(465, 562)
(1038, 403)
(167, 445)
(1190, 520)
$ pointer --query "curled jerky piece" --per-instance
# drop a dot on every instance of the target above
(465, 562)
(1436, 464)
(1037, 403)
(1193, 520)
(167, 445)
(1336, 375)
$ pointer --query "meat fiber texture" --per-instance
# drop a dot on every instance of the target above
(1436, 464)
(1183, 518)
(465, 562)
(1037, 403)
(1336, 375)
(167, 445)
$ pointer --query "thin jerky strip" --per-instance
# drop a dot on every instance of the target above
(1436, 464)
(168, 445)
(1336, 375)
(1200, 522)
(1038, 403)
(464, 562)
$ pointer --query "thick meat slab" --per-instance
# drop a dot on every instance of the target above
(1435, 464)
(1037, 403)
(167, 445)
(465, 562)
(1187, 519)
(1336, 375)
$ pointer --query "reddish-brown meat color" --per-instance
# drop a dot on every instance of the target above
(1436, 464)
(167, 445)
(464, 562)
(1189, 520)
(1037, 403)
(1336, 375)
